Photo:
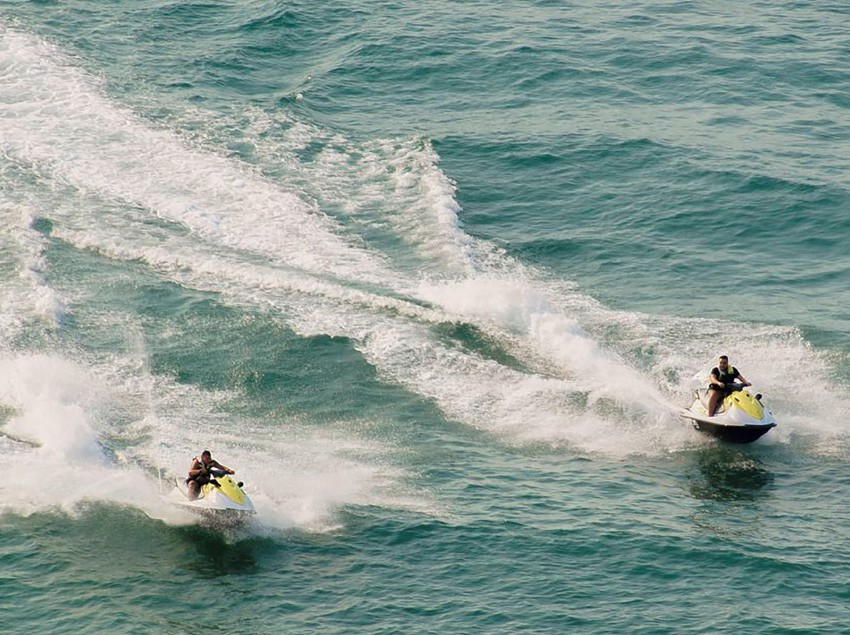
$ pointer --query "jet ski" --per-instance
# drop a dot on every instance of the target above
(222, 499)
(740, 418)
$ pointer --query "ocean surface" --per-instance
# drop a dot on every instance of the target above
(435, 279)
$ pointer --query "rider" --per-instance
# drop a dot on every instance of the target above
(200, 473)
(723, 376)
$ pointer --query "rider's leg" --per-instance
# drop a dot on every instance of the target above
(713, 399)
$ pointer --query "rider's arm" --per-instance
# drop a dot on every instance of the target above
(743, 380)
(223, 467)
(196, 470)
(715, 381)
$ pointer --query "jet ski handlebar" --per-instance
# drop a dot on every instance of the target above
(736, 386)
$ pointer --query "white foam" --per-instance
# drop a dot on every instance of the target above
(598, 403)
(390, 186)
(57, 118)
(259, 244)
(26, 295)
(297, 476)
(76, 414)
(429, 208)
(53, 400)
(618, 410)
(395, 336)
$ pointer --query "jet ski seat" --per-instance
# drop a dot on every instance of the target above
(702, 395)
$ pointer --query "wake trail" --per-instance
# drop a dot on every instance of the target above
(58, 120)
(597, 379)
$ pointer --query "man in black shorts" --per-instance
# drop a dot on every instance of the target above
(200, 473)
(722, 377)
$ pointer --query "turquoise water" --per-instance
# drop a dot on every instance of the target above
(434, 279)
